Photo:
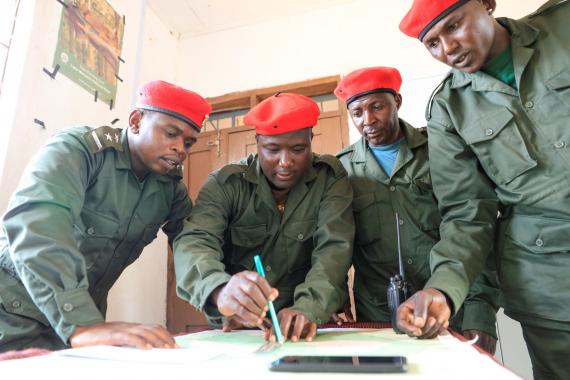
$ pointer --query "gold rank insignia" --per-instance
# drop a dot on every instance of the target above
(102, 138)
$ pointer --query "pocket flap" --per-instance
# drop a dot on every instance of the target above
(560, 80)
(301, 230)
(97, 224)
(248, 236)
(16, 300)
(487, 127)
(540, 235)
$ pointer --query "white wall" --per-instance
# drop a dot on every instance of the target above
(149, 52)
(59, 103)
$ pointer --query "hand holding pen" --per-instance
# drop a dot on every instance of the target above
(245, 298)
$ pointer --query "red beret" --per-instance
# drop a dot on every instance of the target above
(283, 113)
(424, 14)
(368, 81)
(175, 101)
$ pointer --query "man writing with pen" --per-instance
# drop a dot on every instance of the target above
(287, 205)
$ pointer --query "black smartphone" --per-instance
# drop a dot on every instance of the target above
(371, 364)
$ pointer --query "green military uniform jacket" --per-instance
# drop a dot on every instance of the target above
(408, 191)
(306, 253)
(79, 217)
(495, 148)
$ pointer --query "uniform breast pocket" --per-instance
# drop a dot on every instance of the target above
(498, 143)
(247, 241)
(366, 219)
(425, 208)
(533, 269)
(560, 85)
(94, 233)
(300, 245)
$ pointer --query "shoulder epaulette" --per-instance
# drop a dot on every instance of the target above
(103, 138)
(229, 170)
(344, 151)
(549, 5)
(433, 94)
(332, 162)
(422, 130)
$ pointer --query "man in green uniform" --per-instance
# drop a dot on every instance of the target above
(286, 204)
(87, 205)
(499, 132)
(389, 172)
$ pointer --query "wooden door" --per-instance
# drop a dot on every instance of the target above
(217, 148)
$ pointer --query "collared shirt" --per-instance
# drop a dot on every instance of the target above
(501, 67)
(76, 221)
(496, 148)
(386, 155)
(307, 251)
(407, 191)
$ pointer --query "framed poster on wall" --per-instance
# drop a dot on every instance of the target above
(89, 46)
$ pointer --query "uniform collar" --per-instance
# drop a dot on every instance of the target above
(295, 196)
(123, 159)
(522, 36)
(414, 137)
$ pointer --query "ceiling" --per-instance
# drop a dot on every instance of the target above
(189, 18)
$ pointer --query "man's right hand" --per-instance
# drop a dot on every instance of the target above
(424, 314)
(122, 334)
(245, 296)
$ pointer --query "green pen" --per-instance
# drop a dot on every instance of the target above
(272, 313)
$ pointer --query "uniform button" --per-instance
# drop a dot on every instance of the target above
(300, 236)
(16, 304)
(392, 188)
(91, 230)
(559, 144)
(489, 131)
(529, 104)
(401, 221)
(539, 242)
(410, 261)
(268, 268)
(67, 307)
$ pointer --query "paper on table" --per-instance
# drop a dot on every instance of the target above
(128, 354)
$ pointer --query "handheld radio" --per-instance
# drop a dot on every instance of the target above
(398, 290)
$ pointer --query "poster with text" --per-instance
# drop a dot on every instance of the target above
(89, 46)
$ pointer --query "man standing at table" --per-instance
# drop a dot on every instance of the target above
(87, 205)
(389, 172)
(499, 129)
(286, 204)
